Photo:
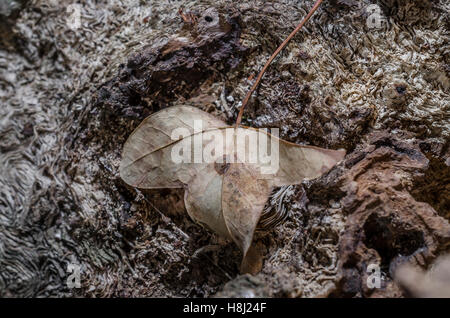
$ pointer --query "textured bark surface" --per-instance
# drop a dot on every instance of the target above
(70, 98)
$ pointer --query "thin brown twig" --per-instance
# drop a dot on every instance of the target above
(277, 51)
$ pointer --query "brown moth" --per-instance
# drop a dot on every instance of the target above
(226, 193)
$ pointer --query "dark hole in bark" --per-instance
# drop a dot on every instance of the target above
(134, 100)
(390, 239)
(208, 18)
(401, 90)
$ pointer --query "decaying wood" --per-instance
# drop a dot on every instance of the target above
(70, 99)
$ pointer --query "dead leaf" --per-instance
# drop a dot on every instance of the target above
(226, 196)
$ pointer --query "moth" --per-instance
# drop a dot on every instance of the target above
(227, 192)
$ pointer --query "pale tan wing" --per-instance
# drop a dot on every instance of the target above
(247, 185)
(282, 162)
(203, 200)
(146, 156)
(285, 163)
(243, 199)
(203, 194)
(298, 163)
